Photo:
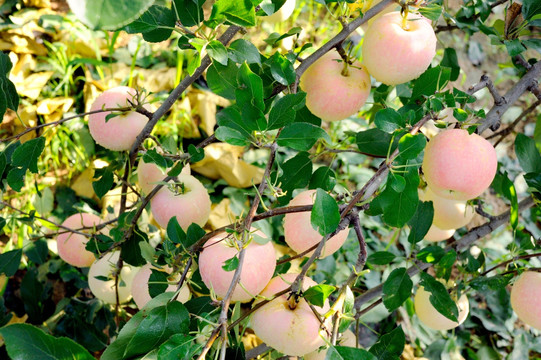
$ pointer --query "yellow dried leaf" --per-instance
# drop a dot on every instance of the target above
(251, 341)
(54, 109)
(24, 64)
(37, 3)
(10, 40)
(221, 215)
(205, 102)
(224, 161)
(32, 84)
(82, 185)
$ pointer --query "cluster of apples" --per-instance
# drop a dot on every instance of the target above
(133, 281)
(396, 49)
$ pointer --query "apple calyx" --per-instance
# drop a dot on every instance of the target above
(293, 300)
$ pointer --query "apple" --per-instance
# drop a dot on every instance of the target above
(150, 174)
(139, 287)
(448, 214)
(458, 165)
(429, 316)
(348, 339)
(71, 246)
(394, 54)
(282, 14)
(119, 132)
(257, 268)
(436, 234)
(299, 233)
(105, 290)
(333, 93)
(294, 332)
(526, 298)
(190, 205)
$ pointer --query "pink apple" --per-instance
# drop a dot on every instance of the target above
(71, 246)
(331, 92)
(105, 289)
(294, 332)
(436, 234)
(117, 133)
(458, 165)
(140, 292)
(393, 54)
(429, 316)
(257, 269)
(299, 233)
(149, 175)
(448, 214)
(526, 298)
(190, 205)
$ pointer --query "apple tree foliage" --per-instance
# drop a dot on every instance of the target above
(368, 166)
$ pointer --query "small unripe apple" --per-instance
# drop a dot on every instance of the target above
(448, 214)
(394, 54)
(140, 292)
(149, 175)
(436, 234)
(429, 316)
(257, 268)
(299, 233)
(119, 132)
(105, 290)
(348, 339)
(282, 14)
(458, 165)
(71, 246)
(526, 298)
(294, 332)
(190, 205)
(333, 93)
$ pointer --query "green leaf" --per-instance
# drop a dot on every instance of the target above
(26, 342)
(157, 283)
(10, 261)
(176, 170)
(217, 52)
(530, 8)
(276, 37)
(37, 251)
(527, 154)
(325, 215)
(108, 14)
(231, 136)
(509, 191)
(431, 81)
(152, 156)
(222, 80)
(282, 69)
(175, 232)
(241, 51)
(284, 110)
(301, 136)
(388, 120)
(26, 156)
(196, 154)
(375, 142)
(238, 12)
(348, 353)
(396, 289)
(514, 47)
(149, 328)
(156, 24)
(493, 283)
(231, 118)
(323, 178)
(439, 298)
(431, 254)
(104, 183)
(130, 251)
(316, 295)
(231, 264)
(431, 11)
(381, 258)
(450, 60)
(297, 172)
(43, 201)
(8, 93)
(390, 346)
(410, 146)
(190, 12)
(249, 95)
(179, 347)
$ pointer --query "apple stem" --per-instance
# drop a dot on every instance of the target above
(405, 12)
(292, 301)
